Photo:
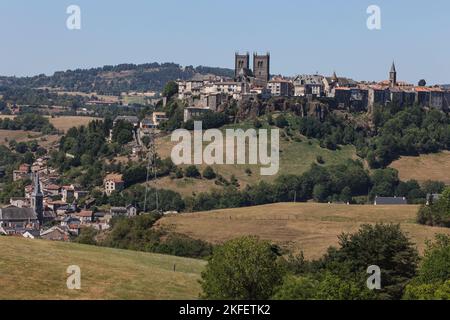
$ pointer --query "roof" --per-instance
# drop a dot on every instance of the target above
(55, 228)
(52, 187)
(119, 209)
(15, 213)
(390, 200)
(132, 119)
(114, 177)
(84, 214)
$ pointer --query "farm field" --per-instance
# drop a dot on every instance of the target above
(425, 167)
(23, 136)
(64, 123)
(307, 227)
(105, 273)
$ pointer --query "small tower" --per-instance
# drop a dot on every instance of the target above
(393, 76)
(37, 200)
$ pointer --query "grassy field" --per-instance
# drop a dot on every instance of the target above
(36, 269)
(425, 167)
(310, 227)
(64, 123)
(24, 136)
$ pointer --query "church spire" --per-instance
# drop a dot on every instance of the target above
(393, 67)
(37, 199)
(393, 75)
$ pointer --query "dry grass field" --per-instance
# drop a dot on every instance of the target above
(64, 123)
(36, 269)
(309, 227)
(24, 136)
(425, 167)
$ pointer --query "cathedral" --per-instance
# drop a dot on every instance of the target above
(261, 68)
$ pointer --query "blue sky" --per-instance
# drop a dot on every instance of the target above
(302, 36)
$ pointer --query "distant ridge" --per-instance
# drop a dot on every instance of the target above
(112, 80)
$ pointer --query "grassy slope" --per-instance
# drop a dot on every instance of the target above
(310, 227)
(425, 167)
(295, 158)
(36, 269)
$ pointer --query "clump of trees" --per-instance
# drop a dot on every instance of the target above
(336, 183)
(137, 234)
(250, 268)
(242, 269)
(436, 213)
(28, 122)
(433, 277)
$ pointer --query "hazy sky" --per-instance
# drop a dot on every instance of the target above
(302, 36)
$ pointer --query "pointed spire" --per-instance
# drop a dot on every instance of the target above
(393, 67)
(335, 78)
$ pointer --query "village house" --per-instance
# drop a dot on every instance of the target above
(280, 87)
(85, 216)
(20, 202)
(308, 85)
(379, 201)
(67, 193)
(128, 211)
(51, 190)
(55, 233)
(159, 117)
(24, 172)
(113, 182)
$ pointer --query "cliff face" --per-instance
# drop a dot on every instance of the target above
(300, 107)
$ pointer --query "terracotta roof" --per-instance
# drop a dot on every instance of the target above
(85, 214)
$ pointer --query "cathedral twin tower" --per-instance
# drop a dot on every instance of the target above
(261, 66)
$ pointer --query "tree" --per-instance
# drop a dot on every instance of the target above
(191, 172)
(296, 288)
(87, 236)
(242, 269)
(170, 89)
(209, 173)
(422, 83)
(383, 245)
(281, 121)
(433, 280)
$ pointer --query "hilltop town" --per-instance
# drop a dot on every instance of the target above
(70, 187)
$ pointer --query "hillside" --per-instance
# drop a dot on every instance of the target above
(36, 269)
(435, 166)
(310, 227)
(114, 79)
(296, 157)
